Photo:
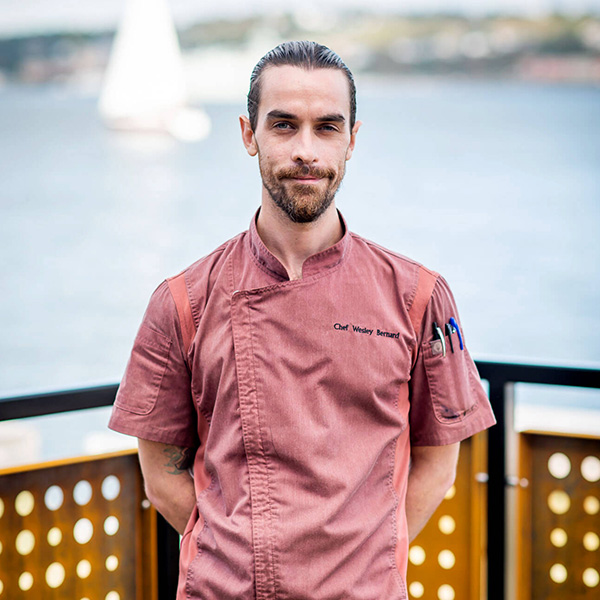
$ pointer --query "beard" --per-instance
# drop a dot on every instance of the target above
(302, 203)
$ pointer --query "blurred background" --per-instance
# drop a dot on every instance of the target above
(121, 163)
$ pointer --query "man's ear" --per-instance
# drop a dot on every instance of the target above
(353, 139)
(248, 136)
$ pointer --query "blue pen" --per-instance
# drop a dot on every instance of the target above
(455, 325)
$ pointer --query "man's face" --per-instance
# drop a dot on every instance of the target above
(302, 138)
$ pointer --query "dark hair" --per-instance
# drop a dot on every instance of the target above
(307, 55)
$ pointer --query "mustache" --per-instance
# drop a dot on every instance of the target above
(305, 171)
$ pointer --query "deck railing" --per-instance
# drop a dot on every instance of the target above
(488, 500)
(502, 378)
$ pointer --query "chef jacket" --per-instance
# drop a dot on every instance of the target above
(302, 399)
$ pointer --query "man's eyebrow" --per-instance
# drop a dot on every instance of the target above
(281, 114)
(333, 118)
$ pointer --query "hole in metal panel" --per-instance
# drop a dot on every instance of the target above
(450, 493)
(26, 581)
(416, 589)
(54, 497)
(83, 531)
(55, 575)
(111, 525)
(54, 536)
(446, 559)
(112, 563)
(591, 541)
(83, 569)
(558, 573)
(559, 502)
(82, 492)
(25, 542)
(591, 505)
(416, 555)
(446, 592)
(112, 596)
(558, 537)
(24, 503)
(447, 524)
(591, 578)
(111, 487)
(559, 465)
(590, 468)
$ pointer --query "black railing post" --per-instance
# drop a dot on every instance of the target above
(496, 516)
(167, 540)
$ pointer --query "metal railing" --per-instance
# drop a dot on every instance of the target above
(501, 378)
(37, 405)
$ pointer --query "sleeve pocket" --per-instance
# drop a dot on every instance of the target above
(141, 383)
(450, 383)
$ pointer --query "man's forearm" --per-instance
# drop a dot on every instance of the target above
(432, 472)
(169, 486)
(176, 501)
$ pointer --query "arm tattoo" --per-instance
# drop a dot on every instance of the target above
(180, 459)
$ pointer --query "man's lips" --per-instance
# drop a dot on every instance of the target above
(306, 176)
(306, 179)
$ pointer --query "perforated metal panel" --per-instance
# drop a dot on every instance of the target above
(75, 531)
(562, 511)
(446, 560)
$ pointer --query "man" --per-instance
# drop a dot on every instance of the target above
(307, 374)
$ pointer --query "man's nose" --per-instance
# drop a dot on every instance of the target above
(305, 147)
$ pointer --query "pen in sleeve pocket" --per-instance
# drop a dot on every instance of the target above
(455, 326)
(449, 334)
(437, 332)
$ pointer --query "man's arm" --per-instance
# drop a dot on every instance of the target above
(432, 473)
(168, 484)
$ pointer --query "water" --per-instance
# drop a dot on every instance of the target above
(494, 184)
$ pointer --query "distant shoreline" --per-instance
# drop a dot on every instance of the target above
(550, 48)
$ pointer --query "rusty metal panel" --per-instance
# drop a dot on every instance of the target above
(75, 530)
(563, 515)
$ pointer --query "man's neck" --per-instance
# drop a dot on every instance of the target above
(292, 243)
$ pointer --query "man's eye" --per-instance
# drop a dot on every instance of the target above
(326, 127)
(282, 125)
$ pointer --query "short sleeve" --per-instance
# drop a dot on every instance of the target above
(154, 400)
(447, 401)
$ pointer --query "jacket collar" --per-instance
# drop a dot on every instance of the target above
(326, 259)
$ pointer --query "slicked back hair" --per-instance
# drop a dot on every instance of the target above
(307, 55)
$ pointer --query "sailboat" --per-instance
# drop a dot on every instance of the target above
(144, 87)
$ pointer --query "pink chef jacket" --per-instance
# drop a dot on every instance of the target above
(303, 401)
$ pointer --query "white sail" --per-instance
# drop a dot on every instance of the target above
(144, 86)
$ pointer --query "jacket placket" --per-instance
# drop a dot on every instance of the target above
(258, 465)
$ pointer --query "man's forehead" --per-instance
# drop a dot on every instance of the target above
(286, 84)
